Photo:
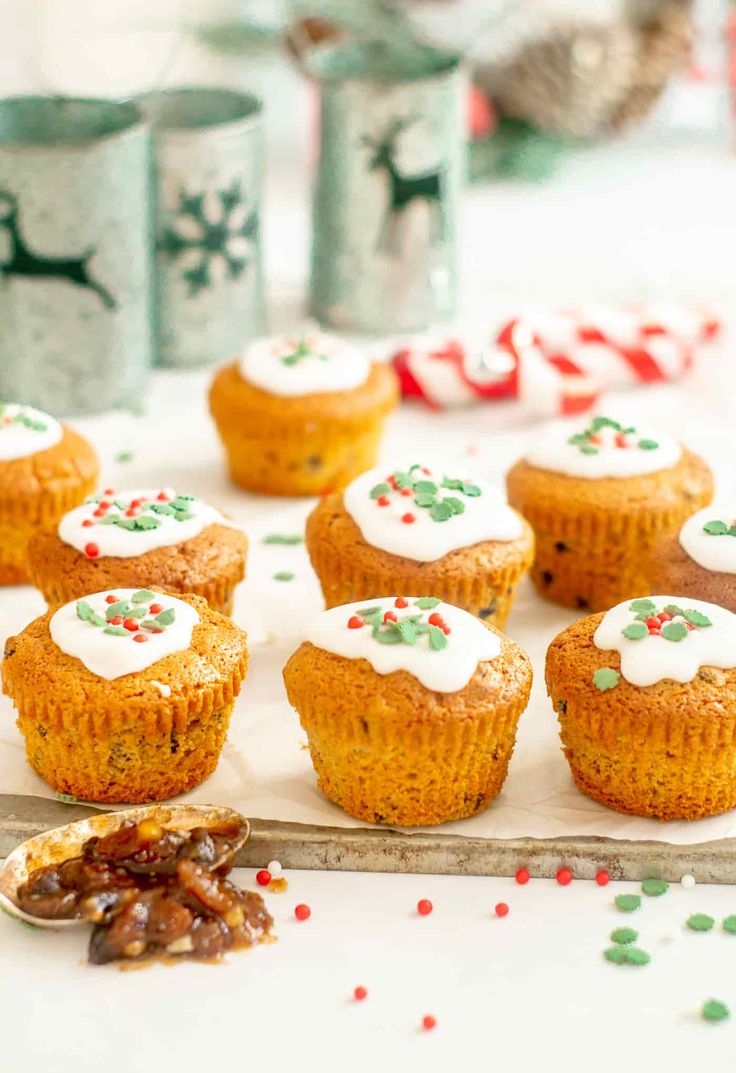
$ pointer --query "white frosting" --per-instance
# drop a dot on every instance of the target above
(110, 656)
(112, 540)
(553, 451)
(26, 431)
(485, 517)
(469, 642)
(304, 364)
(653, 659)
(715, 552)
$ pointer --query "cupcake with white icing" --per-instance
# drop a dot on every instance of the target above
(410, 707)
(125, 695)
(150, 536)
(421, 528)
(599, 498)
(301, 414)
(646, 699)
(700, 560)
(45, 469)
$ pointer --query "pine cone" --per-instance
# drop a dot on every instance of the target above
(665, 47)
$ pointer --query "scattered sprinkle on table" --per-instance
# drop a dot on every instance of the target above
(124, 456)
(424, 907)
(274, 867)
(522, 876)
(624, 936)
(263, 878)
(360, 993)
(687, 881)
(283, 538)
(501, 909)
(302, 912)
(729, 925)
(714, 1010)
(653, 888)
(602, 878)
(564, 876)
(626, 955)
(700, 922)
(283, 575)
(627, 903)
(429, 1022)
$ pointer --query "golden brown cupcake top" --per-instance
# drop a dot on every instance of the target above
(47, 473)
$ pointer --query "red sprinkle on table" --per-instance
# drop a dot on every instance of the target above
(429, 1022)
(407, 519)
(602, 878)
(383, 501)
(360, 993)
(354, 623)
(502, 909)
(92, 551)
(424, 907)
(140, 637)
(401, 602)
(522, 876)
(564, 876)
(302, 912)
(263, 878)
(155, 608)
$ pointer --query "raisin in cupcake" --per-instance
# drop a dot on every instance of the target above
(301, 415)
(598, 499)
(410, 707)
(646, 700)
(420, 529)
(45, 469)
(136, 538)
(700, 560)
(125, 695)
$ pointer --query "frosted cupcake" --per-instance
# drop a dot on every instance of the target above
(134, 538)
(302, 414)
(418, 529)
(598, 499)
(410, 707)
(45, 469)
(646, 699)
(125, 695)
(701, 559)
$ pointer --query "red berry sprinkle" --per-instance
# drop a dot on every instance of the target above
(109, 492)
(502, 909)
(87, 522)
(602, 878)
(594, 440)
(407, 519)
(91, 551)
(360, 993)
(564, 876)
(130, 624)
(620, 440)
(407, 491)
(131, 512)
(389, 616)
(424, 907)
(111, 598)
(429, 1022)
(401, 602)
(664, 616)
(522, 876)
(117, 620)
(383, 501)
(155, 608)
(99, 513)
(162, 497)
(302, 912)
(652, 623)
(435, 619)
(140, 637)
(354, 623)
(263, 878)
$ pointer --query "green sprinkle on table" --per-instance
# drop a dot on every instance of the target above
(627, 903)
(700, 922)
(626, 955)
(729, 925)
(283, 575)
(624, 936)
(653, 888)
(124, 456)
(284, 538)
(714, 1010)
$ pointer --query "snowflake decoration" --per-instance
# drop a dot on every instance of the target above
(211, 236)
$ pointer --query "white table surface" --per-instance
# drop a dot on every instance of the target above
(531, 989)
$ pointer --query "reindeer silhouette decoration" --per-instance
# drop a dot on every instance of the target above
(24, 262)
(405, 190)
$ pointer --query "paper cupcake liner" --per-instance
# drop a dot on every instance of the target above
(488, 596)
(425, 773)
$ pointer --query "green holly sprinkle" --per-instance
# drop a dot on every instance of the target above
(379, 490)
(674, 631)
(626, 955)
(714, 1010)
(624, 936)
(440, 511)
(606, 678)
(124, 456)
(116, 631)
(120, 607)
(635, 631)
(729, 925)
(437, 639)
(143, 596)
(715, 528)
(653, 888)
(697, 618)
(627, 903)
(427, 493)
(165, 618)
(426, 603)
(648, 445)
(284, 575)
(84, 611)
(618, 955)
(645, 607)
(700, 922)
(284, 538)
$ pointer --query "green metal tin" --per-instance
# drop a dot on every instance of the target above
(208, 149)
(391, 169)
(75, 272)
